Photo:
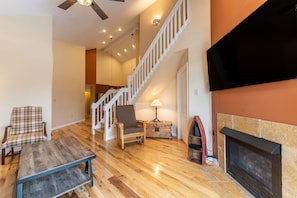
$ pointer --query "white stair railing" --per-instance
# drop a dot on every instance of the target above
(174, 25)
(98, 109)
(120, 98)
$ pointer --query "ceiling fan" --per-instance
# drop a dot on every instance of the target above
(68, 3)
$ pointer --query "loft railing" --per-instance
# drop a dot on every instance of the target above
(174, 25)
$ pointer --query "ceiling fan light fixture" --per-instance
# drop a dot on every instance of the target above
(85, 2)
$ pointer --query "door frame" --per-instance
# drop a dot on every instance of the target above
(184, 68)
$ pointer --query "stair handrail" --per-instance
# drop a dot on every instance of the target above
(173, 26)
(120, 98)
(98, 111)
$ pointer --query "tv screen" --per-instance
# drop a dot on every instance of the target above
(261, 49)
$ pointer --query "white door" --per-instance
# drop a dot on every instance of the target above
(183, 103)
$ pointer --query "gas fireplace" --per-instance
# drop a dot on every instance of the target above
(254, 162)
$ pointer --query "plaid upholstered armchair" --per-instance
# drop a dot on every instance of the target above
(128, 130)
(26, 127)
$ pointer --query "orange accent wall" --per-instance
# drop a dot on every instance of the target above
(272, 101)
(91, 66)
(275, 102)
(226, 14)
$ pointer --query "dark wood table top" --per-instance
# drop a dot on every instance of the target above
(47, 157)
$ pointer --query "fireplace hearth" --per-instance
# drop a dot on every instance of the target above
(254, 162)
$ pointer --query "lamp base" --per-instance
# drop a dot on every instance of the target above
(156, 120)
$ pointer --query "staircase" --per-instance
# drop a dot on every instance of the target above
(104, 109)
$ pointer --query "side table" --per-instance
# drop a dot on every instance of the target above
(160, 129)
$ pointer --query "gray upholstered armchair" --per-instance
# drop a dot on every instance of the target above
(128, 129)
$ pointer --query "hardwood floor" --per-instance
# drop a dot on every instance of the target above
(159, 168)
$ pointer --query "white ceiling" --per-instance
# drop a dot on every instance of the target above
(81, 25)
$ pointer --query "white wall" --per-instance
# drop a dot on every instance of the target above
(147, 31)
(25, 65)
(68, 84)
(127, 69)
(196, 39)
(108, 70)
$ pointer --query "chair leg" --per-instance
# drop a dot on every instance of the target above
(122, 143)
(141, 139)
(3, 156)
(9, 153)
(12, 153)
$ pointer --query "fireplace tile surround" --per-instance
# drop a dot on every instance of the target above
(277, 132)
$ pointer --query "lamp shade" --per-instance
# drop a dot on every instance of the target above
(85, 2)
(156, 103)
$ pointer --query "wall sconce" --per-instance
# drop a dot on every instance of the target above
(156, 103)
(156, 22)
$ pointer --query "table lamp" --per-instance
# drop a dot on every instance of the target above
(156, 103)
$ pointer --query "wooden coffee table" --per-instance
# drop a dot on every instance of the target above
(53, 168)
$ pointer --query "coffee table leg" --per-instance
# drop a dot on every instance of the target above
(19, 190)
(87, 166)
(89, 170)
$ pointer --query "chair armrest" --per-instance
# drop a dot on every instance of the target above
(140, 123)
(120, 125)
(120, 129)
(5, 133)
(44, 128)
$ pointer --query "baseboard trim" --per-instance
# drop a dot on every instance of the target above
(65, 125)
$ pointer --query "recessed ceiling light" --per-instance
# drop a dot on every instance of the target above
(119, 54)
(103, 42)
(119, 29)
(104, 30)
(125, 50)
(133, 46)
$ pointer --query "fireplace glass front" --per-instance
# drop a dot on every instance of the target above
(254, 162)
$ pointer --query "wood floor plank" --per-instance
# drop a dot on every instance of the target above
(159, 168)
(125, 190)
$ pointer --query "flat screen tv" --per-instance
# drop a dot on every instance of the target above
(261, 49)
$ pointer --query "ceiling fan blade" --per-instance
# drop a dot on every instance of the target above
(66, 4)
(118, 0)
(99, 11)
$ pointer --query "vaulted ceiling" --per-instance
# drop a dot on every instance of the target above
(82, 26)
